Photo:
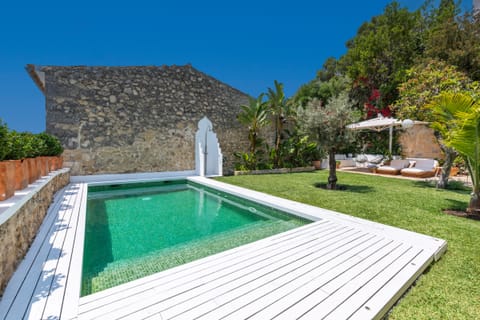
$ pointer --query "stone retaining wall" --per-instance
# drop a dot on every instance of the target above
(139, 119)
(18, 232)
(420, 142)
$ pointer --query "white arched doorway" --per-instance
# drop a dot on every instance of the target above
(208, 155)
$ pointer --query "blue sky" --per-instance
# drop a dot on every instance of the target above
(246, 44)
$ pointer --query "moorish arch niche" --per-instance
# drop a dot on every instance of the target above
(208, 155)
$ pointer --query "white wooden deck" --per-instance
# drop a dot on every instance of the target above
(338, 267)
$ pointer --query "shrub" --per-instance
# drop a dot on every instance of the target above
(53, 147)
(32, 145)
(3, 140)
(16, 151)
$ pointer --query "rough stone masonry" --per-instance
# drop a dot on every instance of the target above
(138, 119)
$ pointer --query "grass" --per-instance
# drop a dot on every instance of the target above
(450, 289)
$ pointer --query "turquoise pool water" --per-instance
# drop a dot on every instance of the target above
(134, 230)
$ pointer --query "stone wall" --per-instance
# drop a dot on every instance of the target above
(420, 142)
(18, 232)
(138, 119)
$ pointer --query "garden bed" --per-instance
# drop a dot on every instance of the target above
(274, 171)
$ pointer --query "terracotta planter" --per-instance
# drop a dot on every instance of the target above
(52, 163)
(21, 174)
(33, 172)
(47, 165)
(55, 162)
(454, 171)
(60, 162)
(317, 164)
(7, 179)
(42, 165)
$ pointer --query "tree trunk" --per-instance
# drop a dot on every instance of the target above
(450, 155)
(332, 175)
(474, 205)
(278, 139)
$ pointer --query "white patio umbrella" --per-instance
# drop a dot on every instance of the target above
(381, 123)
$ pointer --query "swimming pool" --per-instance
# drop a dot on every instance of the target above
(137, 229)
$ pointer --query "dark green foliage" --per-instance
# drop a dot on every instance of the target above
(298, 151)
(52, 146)
(16, 150)
(454, 39)
(3, 140)
(33, 145)
(320, 90)
(18, 145)
(382, 50)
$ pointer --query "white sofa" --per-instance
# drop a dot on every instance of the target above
(368, 160)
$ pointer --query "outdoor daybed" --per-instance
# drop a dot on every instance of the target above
(424, 168)
(394, 167)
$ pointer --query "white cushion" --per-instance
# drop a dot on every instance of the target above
(399, 164)
(427, 164)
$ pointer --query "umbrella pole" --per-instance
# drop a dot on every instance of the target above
(390, 139)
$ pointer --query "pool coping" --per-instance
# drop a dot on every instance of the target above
(70, 300)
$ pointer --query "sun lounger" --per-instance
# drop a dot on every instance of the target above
(424, 168)
(394, 167)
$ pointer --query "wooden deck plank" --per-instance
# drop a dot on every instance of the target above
(74, 276)
(172, 287)
(367, 284)
(23, 270)
(344, 301)
(246, 279)
(241, 301)
(349, 281)
(230, 257)
(36, 258)
(54, 303)
(384, 298)
(47, 283)
(307, 282)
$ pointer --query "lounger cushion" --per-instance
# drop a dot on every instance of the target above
(376, 159)
(394, 167)
(424, 168)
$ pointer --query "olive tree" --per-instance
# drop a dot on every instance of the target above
(327, 125)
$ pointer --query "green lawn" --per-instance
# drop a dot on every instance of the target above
(450, 289)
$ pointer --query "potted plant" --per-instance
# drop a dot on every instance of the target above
(28, 145)
(16, 155)
(53, 150)
(7, 168)
(458, 166)
(317, 156)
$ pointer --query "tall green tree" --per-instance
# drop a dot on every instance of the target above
(425, 81)
(254, 116)
(382, 50)
(281, 111)
(453, 37)
(458, 116)
(320, 90)
(4, 140)
(327, 125)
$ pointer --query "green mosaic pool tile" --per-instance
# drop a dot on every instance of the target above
(123, 271)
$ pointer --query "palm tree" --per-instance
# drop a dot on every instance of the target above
(460, 113)
(254, 116)
(281, 110)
